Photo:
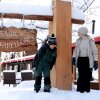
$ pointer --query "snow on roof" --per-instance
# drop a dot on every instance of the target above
(26, 71)
(77, 14)
(35, 10)
(9, 71)
(25, 9)
(67, 0)
(30, 57)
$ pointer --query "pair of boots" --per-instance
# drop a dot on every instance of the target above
(46, 88)
(47, 83)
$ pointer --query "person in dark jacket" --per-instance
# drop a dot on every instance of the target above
(43, 63)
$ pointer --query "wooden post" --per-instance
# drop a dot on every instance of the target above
(62, 27)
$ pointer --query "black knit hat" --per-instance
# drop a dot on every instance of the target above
(52, 40)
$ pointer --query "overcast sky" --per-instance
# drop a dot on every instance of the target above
(41, 2)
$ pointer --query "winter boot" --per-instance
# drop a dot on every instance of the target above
(37, 85)
(47, 83)
(47, 88)
(37, 88)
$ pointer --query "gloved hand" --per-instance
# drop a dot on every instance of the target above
(34, 70)
(95, 65)
(74, 61)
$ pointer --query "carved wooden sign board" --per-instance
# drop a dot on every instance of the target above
(14, 39)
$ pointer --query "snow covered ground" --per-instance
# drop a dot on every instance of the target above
(25, 91)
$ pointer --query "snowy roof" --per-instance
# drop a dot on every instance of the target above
(12, 8)
(26, 71)
(30, 57)
(77, 14)
(67, 0)
(9, 71)
(25, 9)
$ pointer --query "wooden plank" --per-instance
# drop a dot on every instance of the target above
(78, 21)
(37, 17)
(62, 28)
(28, 17)
(94, 85)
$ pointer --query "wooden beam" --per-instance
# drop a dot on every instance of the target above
(28, 17)
(37, 17)
(62, 28)
(78, 21)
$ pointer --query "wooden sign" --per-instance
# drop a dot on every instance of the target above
(18, 39)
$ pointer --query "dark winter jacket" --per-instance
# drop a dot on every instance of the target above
(45, 58)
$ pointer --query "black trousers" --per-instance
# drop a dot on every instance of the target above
(83, 82)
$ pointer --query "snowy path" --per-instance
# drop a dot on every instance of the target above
(25, 91)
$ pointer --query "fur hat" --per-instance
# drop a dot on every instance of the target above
(52, 40)
(83, 30)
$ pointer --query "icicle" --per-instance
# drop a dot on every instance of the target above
(2, 19)
(23, 21)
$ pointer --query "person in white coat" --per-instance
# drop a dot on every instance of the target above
(85, 57)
